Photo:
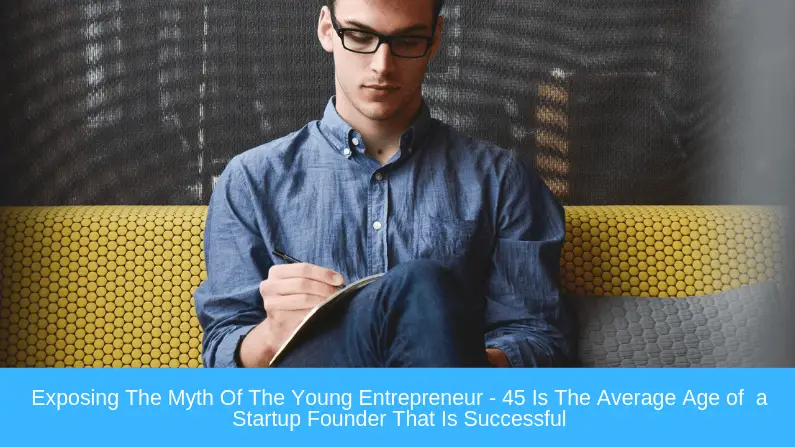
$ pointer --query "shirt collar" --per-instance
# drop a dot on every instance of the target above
(344, 137)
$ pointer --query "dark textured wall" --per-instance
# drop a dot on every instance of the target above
(144, 102)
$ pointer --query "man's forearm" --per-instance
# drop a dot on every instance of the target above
(257, 348)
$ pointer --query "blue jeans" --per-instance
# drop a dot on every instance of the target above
(416, 315)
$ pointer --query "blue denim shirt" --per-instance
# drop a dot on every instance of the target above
(316, 195)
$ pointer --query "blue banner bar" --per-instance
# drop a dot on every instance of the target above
(395, 407)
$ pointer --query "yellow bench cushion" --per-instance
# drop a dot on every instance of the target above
(669, 251)
(101, 286)
(113, 285)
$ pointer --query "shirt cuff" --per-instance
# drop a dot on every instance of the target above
(227, 354)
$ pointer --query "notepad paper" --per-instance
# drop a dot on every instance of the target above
(319, 310)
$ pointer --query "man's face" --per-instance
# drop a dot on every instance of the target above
(379, 85)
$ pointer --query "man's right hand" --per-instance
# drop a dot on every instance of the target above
(289, 293)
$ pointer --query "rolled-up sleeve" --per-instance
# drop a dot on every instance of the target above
(228, 303)
(524, 313)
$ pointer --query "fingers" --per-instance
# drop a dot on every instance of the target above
(284, 303)
(296, 286)
(305, 270)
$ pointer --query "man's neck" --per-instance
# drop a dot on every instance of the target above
(381, 138)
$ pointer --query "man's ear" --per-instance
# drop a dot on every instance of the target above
(437, 37)
(325, 31)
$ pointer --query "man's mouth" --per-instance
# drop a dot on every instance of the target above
(382, 87)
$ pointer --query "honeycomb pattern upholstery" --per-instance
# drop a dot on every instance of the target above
(725, 329)
(670, 251)
(101, 286)
(112, 286)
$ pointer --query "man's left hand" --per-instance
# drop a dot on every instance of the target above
(497, 357)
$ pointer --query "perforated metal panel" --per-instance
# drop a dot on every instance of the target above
(144, 102)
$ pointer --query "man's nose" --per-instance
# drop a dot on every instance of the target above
(383, 60)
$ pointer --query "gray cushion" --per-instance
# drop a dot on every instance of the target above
(750, 326)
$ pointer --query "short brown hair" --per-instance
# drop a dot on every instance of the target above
(437, 8)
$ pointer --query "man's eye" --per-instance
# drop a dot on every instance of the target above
(359, 37)
(410, 43)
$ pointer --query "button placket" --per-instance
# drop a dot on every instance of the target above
(384, 187)
(377, 210)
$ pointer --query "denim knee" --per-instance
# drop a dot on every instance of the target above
(423, 270)
(428, 283)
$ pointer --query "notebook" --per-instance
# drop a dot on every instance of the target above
(321, 309)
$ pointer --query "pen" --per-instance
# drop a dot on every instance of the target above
(284, 256)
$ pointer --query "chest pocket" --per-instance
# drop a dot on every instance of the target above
(461, 246)
(449, 241)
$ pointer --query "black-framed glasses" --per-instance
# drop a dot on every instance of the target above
(367, 42)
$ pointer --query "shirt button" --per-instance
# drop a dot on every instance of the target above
(355, 141)
(378, 176)
(377, 226)
(346, 152)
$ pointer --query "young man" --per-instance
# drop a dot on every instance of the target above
(468, 237)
